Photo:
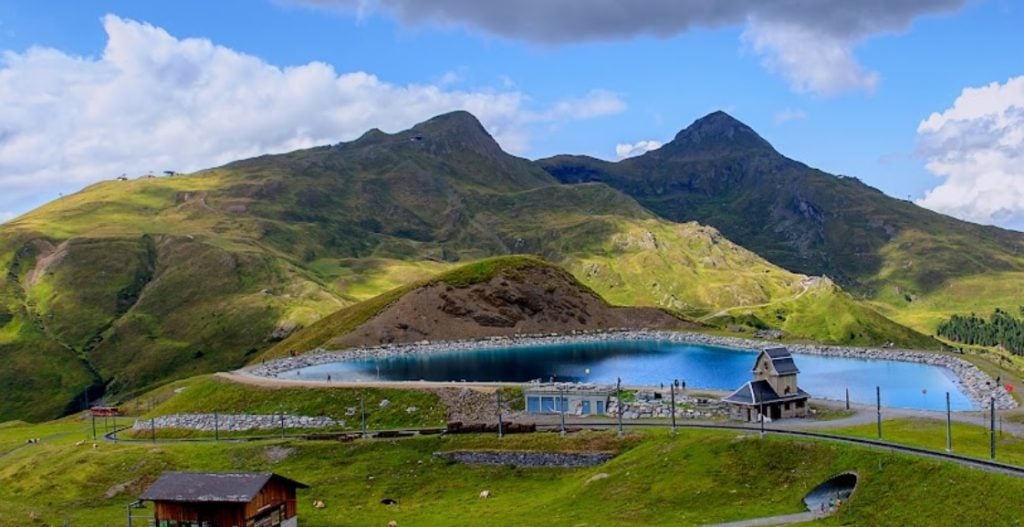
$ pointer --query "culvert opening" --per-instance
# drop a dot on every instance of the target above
(832, 493)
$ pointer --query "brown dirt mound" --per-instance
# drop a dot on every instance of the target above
(532, 300)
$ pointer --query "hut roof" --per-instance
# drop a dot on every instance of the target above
(761, 392)
(237, 487)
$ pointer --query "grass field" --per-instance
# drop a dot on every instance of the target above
(968, 440)
(690, 479)
(208, 394)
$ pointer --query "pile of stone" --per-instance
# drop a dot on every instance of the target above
(526, 459)
(686, 408)
(235, 422)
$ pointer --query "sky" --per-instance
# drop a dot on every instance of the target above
(923, 99)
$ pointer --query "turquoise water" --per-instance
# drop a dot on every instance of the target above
(903, 384)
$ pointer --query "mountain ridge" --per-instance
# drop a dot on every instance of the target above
(164, 278)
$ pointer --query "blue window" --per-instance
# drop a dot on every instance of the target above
(586, 407)
(547, 405)
(533, 404)
(600, 407)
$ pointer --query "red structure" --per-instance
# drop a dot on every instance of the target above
(104, 411)
(189, 499)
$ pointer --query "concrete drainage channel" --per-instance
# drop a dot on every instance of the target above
(822, 501)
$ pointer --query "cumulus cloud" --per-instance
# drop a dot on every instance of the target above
(808, 42)
(810, 59)
(155, 102)
(624, 150)
(788, 115)
(977, 148)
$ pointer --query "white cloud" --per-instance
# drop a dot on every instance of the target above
(624, 150)
(6, 215)
(810, 59)
(155, 102)
(977, 147)
(809, 42)
(789, 114)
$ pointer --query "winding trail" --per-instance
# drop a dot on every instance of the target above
(807, 283)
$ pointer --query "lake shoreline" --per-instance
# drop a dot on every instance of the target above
(975, 384)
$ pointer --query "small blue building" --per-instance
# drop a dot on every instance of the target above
(573, 399)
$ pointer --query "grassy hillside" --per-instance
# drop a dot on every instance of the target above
(692, 479)
(129, 284)
(914, 263)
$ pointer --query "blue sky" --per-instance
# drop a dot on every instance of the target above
(579, 89)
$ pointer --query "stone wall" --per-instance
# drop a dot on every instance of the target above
(235, 422)
(527, 459)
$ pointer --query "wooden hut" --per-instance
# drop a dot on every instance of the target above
(189, 499)
(773, 391)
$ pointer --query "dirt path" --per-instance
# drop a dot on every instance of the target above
(806, 287)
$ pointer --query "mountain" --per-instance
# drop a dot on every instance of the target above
(501, 296)
(721, 173)
(129, 284)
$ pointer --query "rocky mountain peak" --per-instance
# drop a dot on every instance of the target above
(718, 131)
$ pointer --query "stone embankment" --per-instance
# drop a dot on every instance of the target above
(235, 422)
(977, 385)
(526, 459)
(686, 408)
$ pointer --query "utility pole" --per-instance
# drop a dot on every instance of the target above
(878, 402)
(672, 390)
(992, 428)
(561, 408)
(216, 426)
(949, 426)
(760, 412)
(501, 430)
(152, 429)
(618, 401)
(362, 409)
(94, 427)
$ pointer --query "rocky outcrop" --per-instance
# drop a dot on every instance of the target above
(526, 300)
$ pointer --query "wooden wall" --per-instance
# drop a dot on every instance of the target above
(274, 494)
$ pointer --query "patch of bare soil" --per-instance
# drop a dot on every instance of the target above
(527, 301)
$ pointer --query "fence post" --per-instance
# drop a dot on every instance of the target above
(152, 429)
(216, 426)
